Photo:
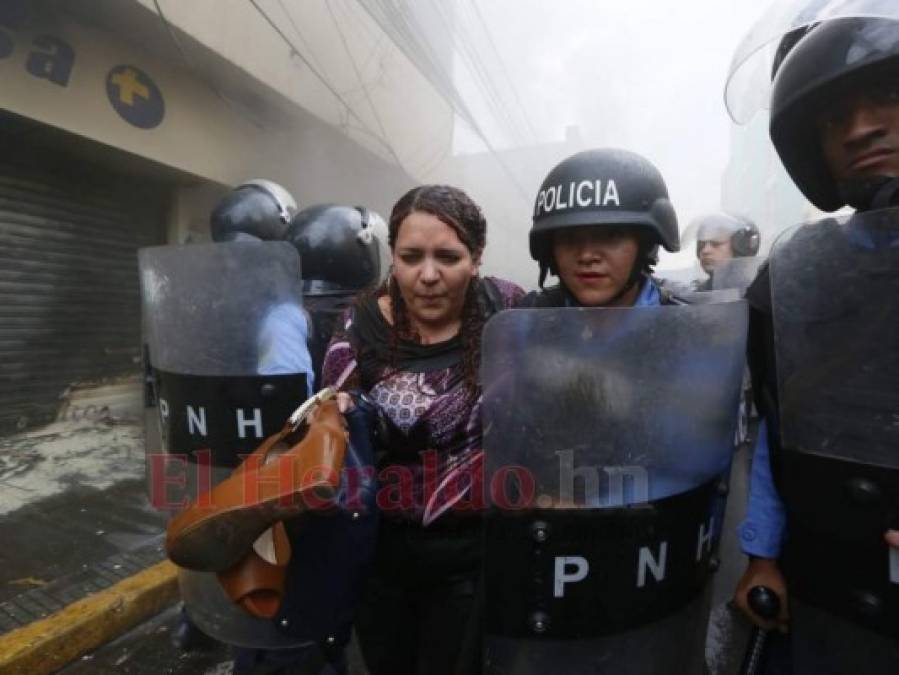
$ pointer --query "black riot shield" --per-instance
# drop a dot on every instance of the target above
(835, 298)
(224, 333)
(608, 436)
(736, 273)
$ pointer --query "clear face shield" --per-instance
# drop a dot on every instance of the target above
(748, 87)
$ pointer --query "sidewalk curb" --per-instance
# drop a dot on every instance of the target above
(47, 645)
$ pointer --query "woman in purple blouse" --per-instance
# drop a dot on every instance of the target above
(413, 348)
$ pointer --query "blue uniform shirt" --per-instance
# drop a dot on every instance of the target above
(762, 531)
(282, 344)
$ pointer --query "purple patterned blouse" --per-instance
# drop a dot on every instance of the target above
(431, 452)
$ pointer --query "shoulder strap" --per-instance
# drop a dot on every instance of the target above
(492, 296)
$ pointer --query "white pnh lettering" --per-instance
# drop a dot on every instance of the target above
(196, 422)
(894, 565)
(569, 570)
(163, 409)
(243, 423)
(658, 567)
(705, 539)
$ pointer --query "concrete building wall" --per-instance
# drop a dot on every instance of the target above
(66, 70)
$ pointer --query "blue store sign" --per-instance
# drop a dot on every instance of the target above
(135, 96)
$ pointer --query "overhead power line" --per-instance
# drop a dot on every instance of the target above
(317, 73)
(395, 19)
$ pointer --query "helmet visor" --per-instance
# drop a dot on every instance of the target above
(748, 86)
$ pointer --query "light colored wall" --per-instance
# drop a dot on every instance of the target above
(396, 113)
(201, 135)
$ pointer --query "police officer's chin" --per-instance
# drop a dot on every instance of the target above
(605, 296)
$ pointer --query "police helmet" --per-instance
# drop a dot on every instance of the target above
(810, 73)
(342, 248)
(743, 234)
(603, 187)
(254, 210)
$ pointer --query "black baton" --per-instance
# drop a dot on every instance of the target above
(766, 604)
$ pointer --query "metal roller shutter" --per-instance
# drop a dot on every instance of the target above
(69, 298)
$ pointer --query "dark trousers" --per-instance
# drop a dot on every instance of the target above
(821, 643)
(420, 614)
(301, 661)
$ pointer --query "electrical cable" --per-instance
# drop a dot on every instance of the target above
(396, 25)
(197, 72)
(524, 112)
(371, 103)
(317, 74)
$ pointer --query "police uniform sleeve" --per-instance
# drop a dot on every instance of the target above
(762, 531)
(764, 527)
(283, 347)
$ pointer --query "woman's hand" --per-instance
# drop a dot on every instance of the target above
(763, 572)
(345, 402)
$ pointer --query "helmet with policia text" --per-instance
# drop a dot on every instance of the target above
(742, 233)
(812, 72)
(342, 248)
(606, 187)
(257, 209)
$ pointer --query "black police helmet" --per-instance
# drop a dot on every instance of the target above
(257, 209)
(743, 234)
(603, 187)
(339, 247)
(820, 64)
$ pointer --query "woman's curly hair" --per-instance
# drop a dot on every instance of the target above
(457, 210)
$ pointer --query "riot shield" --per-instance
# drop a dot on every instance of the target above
(835, 299)
(748, 88)
(710, 297)
(214, 316)
(736, 273)
(608, 435)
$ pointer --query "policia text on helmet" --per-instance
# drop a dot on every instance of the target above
(599, 218)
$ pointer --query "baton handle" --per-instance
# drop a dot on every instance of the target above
(766, 604)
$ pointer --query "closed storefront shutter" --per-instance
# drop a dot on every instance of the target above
(69, 296)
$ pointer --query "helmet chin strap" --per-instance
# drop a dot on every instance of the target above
(636, 272)
(868, 194)
(544, 270)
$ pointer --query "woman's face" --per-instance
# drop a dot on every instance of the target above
(595, 263)
(432, 268)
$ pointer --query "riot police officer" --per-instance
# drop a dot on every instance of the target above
(343, 251)
(247, 284)
(599, 219)
(256, 209)
(261, 210)
(823, 350)
(721, 237)
(599, 558)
